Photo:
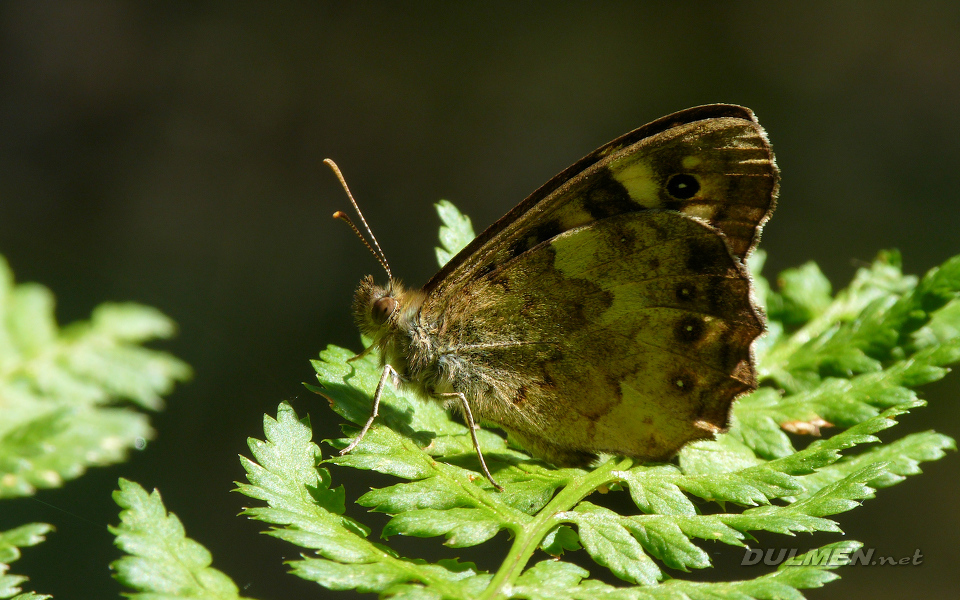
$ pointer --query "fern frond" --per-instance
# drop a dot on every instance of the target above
(847, 364)
(161, 561)
(11, 541)
(59, 388)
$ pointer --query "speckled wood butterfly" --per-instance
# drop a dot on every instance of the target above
(610, 311)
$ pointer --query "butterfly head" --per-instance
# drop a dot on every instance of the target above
(373, 307)
(380, 310)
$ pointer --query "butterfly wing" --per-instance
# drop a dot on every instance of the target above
(630, 335)
(712, 162)
(611, 311)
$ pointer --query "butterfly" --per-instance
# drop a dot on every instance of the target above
(609, 312)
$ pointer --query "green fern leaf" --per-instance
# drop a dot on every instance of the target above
(455, 233)
(61, 386)
(306, 511)
(11, 541)
(160, 561)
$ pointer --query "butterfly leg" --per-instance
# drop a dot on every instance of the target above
(387, 371)
(365, 352)
(472, 425)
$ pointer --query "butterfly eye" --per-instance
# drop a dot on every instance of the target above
(683, 186)
(383, 308)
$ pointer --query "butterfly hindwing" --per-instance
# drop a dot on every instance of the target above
(628, 335)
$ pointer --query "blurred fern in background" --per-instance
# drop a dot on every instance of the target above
(66, 394)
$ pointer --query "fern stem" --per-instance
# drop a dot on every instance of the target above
(528, 540)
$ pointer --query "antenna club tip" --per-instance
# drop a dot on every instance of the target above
(333, 166)
(339, 214)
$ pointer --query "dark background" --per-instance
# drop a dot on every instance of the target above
(170, 154)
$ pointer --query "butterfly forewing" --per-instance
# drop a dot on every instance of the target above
(710, 162)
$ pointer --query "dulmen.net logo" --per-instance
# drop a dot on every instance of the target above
(825, 557)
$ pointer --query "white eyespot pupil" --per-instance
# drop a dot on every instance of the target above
(679, 383)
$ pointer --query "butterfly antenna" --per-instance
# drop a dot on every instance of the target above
(378, 253)
(383, 262)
